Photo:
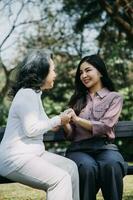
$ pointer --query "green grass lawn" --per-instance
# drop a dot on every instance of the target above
(17, 191)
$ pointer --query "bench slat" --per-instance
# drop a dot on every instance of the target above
(130, 170)
(122, 129)
(4, 180)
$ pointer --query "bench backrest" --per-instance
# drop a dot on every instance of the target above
(124, 129)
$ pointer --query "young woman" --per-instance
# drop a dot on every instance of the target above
(95, 111)
(23, 157)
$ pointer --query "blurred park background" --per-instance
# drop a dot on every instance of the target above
(71, 29)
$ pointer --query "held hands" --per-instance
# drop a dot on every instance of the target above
(65, 118)
(73, 115)
(84, 123)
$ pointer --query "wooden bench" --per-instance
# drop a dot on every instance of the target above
(124, 130)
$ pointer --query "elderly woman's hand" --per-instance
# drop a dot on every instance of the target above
(65, 118)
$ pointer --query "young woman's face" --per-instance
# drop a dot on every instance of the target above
(90, 76)
(49, 81)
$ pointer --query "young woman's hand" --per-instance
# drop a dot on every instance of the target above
(74, 117)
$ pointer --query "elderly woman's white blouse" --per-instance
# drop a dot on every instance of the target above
(23, 138)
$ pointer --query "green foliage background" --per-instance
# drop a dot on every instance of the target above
(65, 31)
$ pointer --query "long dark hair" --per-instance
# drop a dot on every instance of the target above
(32, 71)
(78, 99)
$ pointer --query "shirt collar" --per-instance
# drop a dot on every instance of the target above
(103, 92)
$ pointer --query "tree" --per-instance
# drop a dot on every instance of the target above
(121, 12)
(55, 29)
(114, 22)
(49, 31)
(92, 11)
(16, 20)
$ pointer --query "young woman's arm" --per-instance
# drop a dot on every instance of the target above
(83, 123)
(105, 124)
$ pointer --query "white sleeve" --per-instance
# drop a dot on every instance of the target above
(27, 109)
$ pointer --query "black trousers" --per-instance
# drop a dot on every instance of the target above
(100, 166)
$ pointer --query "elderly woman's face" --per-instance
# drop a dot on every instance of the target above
(49, 81)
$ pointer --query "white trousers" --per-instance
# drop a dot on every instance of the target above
(55, 174)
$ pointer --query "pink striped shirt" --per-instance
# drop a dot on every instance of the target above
(103, 111)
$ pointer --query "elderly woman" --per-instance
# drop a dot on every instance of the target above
(23, 156)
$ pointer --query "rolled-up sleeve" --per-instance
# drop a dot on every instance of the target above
(28, 111)
(105, 125)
